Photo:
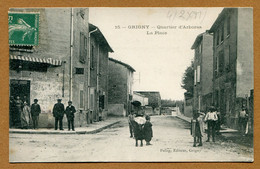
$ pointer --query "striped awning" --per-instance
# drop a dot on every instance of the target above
(50, 61)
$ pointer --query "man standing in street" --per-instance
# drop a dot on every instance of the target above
(35, 111)
(58, 113)
(211, 118)
(130, 122)
(70, 110)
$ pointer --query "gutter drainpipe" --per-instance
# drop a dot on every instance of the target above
(71, 53)
(89, 48)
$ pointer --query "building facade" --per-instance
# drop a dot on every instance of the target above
(141, 98)
(233, 76)
(99, 51)
(154, 100)
(120, 85)
(69, 62)
(203, 72)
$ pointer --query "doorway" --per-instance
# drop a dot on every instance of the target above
(20, 88)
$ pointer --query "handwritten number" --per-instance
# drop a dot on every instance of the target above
(182, 14)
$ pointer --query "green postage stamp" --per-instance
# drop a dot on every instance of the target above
(23, 28)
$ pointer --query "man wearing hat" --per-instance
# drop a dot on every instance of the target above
(35, 111)
(58, 113)
(70, 110)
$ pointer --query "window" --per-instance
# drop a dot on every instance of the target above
(91, 101)
(83, 48)
(86, 43)
(217, 37)
(81, 99)
(79, 71)
(228, 60)
(222, 34)
(221, 62)
(82, 13)
(92, 57)
(102, 101)
(216, 67)
(228, 26)
(200, 48)
(217, 98)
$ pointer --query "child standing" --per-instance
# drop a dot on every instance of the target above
(197, 128)
(148, 132)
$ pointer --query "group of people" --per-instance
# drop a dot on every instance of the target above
(24, 116)
(213, 121)
(140, 128)
(58, 114)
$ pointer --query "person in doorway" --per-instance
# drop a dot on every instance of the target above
(70, 110)
(148, 131)
(25, 116)
(243, 118)
(58, 113)
(211, 118)
(130, 122)
(18, 111)
(35, 111)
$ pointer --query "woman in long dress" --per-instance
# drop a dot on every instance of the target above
(25, 116)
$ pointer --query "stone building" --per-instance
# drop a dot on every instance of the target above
(141, 98)
(99, 49)
(203, 72)
(154, 100)
(120, 87)
(233, 73)
(56, 67)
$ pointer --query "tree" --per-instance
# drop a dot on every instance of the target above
(188, 80)
(168, 103)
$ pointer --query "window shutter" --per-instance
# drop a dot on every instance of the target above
(81, 95)
(198, 74)
(195, 76)
(83, 51)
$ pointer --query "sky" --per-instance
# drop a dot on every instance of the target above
(156, 42)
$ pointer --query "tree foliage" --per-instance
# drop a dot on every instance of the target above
(171, 103)
(188, 79)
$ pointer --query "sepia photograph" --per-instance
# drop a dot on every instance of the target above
(131, 84)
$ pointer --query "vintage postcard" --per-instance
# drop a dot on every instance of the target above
(113, 84)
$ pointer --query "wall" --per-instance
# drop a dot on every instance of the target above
(116, 110)
(237, 78)
(79, 81)
(54, 42)
(188, 109)
(143, 100)
(245, 58)
(153, 97)
(117, 86)
(46, 120)
(54, 39)
(207, 64)
(99, 74)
